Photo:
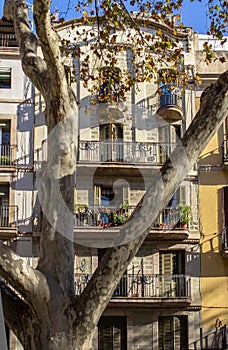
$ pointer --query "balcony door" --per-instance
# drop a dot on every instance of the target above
(173, 332)
(171, 270)
(4, 205)
(5, 156)
(169, 135)
(111, 142)
(112, 333)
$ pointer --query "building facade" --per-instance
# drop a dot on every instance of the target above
(122, 146)
(213, 227)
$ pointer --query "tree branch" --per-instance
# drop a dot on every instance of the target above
(33, 65)
(49, 42)
(30, 283)
(18, 315)
(213, 110)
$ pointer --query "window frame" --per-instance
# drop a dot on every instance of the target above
(5, 78)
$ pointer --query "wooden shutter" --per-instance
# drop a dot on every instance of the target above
(97, 195)
(182, 191)
(225, 206)
(164, 138)
(165, 330)
(173, 332)
(172, 263)
(165, 263)
(112, 333)
(177, 333)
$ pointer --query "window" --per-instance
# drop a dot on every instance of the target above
(5, 149)
(172, 213)
(5, 78)
(172, 262)
(171, 270)
(4, 205)
(173, 332)
(107, 196)
(112, 333)
(169, 136)
(111, 146)
(109, 87)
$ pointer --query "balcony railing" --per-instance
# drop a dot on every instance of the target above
(170, 99)
(225, 238)
(8, 40)
(8, 216)
(145, 286)
(225, 151)
(171, 106)
(97, 216)
(117, 151)
(7, 155)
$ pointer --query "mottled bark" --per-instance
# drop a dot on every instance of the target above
(31, 284)
(56, 320)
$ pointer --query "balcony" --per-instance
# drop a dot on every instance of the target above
(129, 152)
(8, 40)
(7, 156)
(98, 226)
(146, 288)
(170, 107)
(8, 221)
(225, 242)
(98, 216)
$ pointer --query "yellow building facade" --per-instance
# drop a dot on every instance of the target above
(213, 202)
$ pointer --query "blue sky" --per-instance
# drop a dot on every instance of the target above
(193, 14)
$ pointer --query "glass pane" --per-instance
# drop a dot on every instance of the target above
(5, 79)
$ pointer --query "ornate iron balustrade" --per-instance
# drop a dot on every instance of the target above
(8, 216)
(225, 151)
(225, 238)
(117, 151)
(8, 40)
(145, 286)
(170, 99)
(7, 155)
(98, 216)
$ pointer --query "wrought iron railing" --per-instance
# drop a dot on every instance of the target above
(145, 286)
(225, 238)
(8, 216)
(8, 40)
(225, 150)
(7, 155)
(170, 99)
(98, 216)
(118, 151)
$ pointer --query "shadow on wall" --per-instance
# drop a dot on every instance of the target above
(212, 262)
(217, 339)
(25, 125)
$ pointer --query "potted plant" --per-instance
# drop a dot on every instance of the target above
(4, 160)
(185, 215)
